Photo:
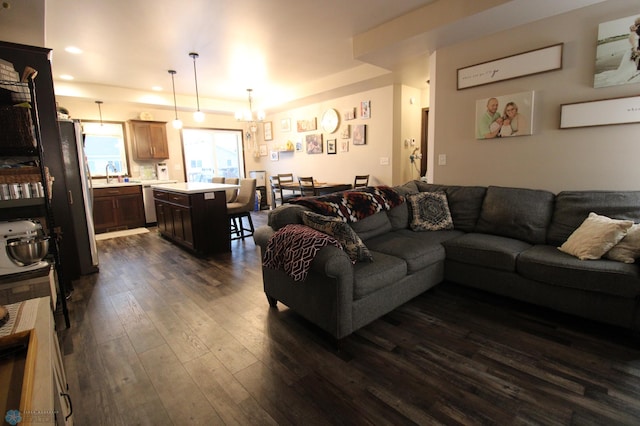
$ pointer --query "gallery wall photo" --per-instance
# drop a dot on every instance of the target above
(504, 116)
(618, 52)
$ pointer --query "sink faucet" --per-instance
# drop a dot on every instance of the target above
(113, 169)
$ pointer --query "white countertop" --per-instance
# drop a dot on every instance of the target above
(130, 183)
(194, 187)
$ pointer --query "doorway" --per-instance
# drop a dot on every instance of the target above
(424, 141)
(212, 152)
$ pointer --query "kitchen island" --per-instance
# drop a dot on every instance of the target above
(194, 215)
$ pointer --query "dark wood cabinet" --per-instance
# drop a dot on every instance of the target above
(150, 139)
(194, 221)
(117, 208)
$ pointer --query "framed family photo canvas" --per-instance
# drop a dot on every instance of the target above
(504, 116)
(618, 52)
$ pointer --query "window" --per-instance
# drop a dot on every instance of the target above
(104, 143)
(210, 152)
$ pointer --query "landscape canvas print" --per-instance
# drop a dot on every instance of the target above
(618, 52)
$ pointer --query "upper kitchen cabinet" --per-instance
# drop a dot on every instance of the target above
(150, 139)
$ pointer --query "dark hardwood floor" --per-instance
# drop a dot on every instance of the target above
(159, 337)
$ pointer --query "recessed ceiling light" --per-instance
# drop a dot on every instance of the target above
(66, 77)
(73, 49)
(156, 89)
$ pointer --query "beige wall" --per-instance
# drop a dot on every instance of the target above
(23, 22)
(584, 158)
(341, 167)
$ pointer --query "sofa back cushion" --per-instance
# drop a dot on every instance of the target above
(285, 214)
(518, 213)
(464, 202)
(372, 226)
(573, 207)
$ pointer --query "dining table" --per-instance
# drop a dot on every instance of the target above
(319, 188)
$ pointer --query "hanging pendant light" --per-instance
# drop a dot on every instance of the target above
(177, 124)
(198, 115)
(100, 110)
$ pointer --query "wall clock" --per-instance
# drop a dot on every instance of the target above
(330, 120)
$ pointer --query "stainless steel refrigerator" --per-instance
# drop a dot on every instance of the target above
(83, 250)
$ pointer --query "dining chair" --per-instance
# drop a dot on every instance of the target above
(361, 181)
(241, 208)
(232, 194)
(289, 193)
(307, 187)
(217, 179)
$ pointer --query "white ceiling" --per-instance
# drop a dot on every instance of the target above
(280, 48)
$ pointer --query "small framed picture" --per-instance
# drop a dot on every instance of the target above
(314, 143)
(274, 156)
(344, 146)
(307, 125)
(360, 134)
(365, 109)
(331, 146)
(285, 125)
(299, 146)
(268, 131)
(345, 132)
(263, 150)
(349, 114)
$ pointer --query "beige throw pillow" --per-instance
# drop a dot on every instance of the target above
(627, 250)
(595, 236)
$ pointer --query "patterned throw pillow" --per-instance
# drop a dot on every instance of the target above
(341, 231)
(430, 211)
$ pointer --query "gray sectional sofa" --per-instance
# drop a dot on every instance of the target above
(504, 241)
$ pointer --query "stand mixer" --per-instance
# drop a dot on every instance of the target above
(22, 246)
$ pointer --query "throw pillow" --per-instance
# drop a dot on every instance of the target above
(627, 250)
(429, 211)
(341, 231)
(595, 236)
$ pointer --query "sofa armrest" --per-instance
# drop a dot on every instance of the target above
(262, 235)
(333, 262)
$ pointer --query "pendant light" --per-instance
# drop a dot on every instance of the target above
(198, 115)
(100, 111)
(177, 124)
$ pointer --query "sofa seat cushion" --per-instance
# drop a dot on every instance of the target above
(486, 250)
(383, 271)
(547, 264)
(417, 253)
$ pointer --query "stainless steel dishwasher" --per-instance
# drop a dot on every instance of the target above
(147, 197)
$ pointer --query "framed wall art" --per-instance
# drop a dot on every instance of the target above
(285, 125)
(532, 62)
(600, 113)
(268, 131)
(345, 132)
(263, 150)
(307, 125)
(314, 143)
(349, 114)
(331, 146)
(275, 156)
(365, 109)
(618, 52)
(344, 146)
(504, 116)
(360, 134)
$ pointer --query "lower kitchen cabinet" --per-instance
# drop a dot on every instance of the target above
(193, 221)
(116, 208)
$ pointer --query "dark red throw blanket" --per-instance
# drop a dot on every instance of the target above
(352, 206)
(293, 247)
